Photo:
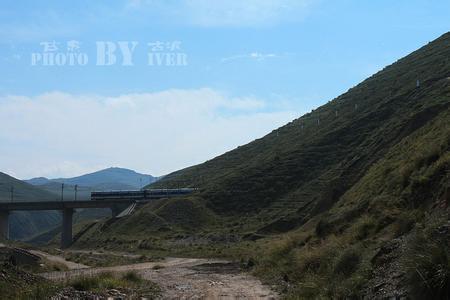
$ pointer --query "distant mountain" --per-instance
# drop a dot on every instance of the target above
(107, 179)
(25, 224)
(38, 181)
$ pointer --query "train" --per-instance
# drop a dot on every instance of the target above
(141, 194)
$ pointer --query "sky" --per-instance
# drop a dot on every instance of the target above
(157, 86)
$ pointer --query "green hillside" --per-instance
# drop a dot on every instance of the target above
(25, 224)
(22, 191)
(309, 165)
(333, 204)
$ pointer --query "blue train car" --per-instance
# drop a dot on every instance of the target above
(141, 194)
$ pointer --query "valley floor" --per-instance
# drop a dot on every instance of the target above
(185, 278)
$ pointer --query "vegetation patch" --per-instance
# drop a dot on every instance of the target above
(130, 284)
(18, 284)
(427, 265)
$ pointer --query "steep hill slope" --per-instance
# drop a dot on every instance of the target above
(306, 166)
(335, 198)
(26, 224)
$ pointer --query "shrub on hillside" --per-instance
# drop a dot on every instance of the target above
(347, 262)
(406, 222)
(427, 266)
(323, 227)
(364, 227)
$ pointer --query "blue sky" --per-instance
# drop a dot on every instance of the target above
(251, 67)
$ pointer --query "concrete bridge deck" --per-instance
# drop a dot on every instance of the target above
(61, 205)
(112, 200)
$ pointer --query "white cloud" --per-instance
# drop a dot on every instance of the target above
(253, 55)
(61, 134)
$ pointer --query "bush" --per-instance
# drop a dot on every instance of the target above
(130, 282)
(364, 227)
(347, 263)
(406, 222)
(39, 291)
(85, 283)
(317, 259)
(427, 266)
(132, 277)
(98, 282)
(323, 228)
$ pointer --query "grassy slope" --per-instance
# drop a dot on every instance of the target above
(22, 191)
(301, 172)
(26, 224)
(17, 284)
(341, 253)
(370, 172)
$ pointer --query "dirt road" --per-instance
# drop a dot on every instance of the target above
(58, 259)
(188, 278)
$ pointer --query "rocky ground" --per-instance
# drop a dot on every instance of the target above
(181, 278)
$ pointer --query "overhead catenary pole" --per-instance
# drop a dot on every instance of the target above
(12, 193)
(76, 190)
(62, 192)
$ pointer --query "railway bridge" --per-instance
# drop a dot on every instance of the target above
(112, 200)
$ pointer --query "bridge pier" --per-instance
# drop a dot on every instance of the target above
(66, 231)
(116, 201)
(115, 210)
(4, 224)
